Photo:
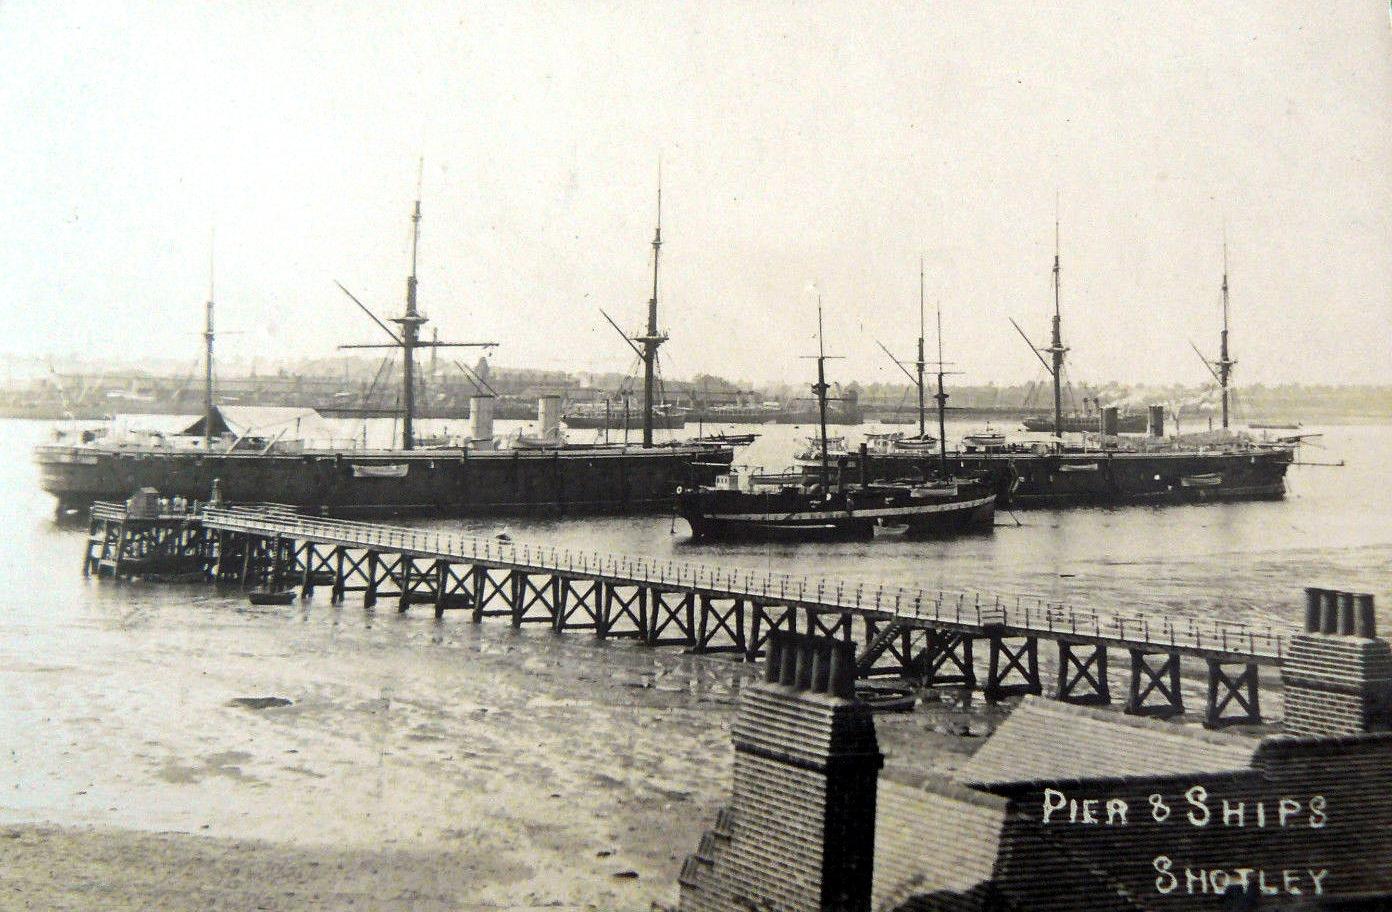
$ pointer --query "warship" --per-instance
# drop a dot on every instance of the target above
(256, 456)
(1108, 468)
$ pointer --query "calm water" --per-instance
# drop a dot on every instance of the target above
(114, 699)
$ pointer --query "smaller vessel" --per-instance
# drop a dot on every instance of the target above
(898, 443)
(815, 449)
(1088, 423)
(743, 505)
(734, 440)
(603, 416)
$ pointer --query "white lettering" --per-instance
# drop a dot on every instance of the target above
(1196, 796)
(1089, 805)
(1159, 809)
(1218, 881)
(1116, 811)
(1317, 816)
(1285, 808)
(1238, 811)
(1054, 800)
(1166, 881)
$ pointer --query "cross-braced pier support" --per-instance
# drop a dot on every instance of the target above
(1155, 678)
(767, 617)
(319, 567)
(1226, 689)
(1014, 670)
(671, 618)
(720, 619)
(833, 624)
(491, 590)
(1082, 674)
(581, 605)
(534, 598)
(625, 612)
(383, 577)
(944, 658)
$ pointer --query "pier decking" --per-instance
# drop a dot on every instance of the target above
(927, 637)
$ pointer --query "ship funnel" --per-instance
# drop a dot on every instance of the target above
(1155, 427)
(1109, 421)
(481, 422)
(549, 418)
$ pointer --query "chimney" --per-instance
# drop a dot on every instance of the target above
(1338, 673)
(799, 832)
(1109, 421)
(481, 422)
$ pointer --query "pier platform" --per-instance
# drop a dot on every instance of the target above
(923, 637)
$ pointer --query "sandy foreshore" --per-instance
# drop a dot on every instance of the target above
(81, 868)
(402, 764)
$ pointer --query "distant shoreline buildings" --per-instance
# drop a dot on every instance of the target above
(355, 388)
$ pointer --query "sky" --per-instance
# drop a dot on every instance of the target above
(806, 149)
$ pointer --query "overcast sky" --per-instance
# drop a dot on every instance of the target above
(803, 145)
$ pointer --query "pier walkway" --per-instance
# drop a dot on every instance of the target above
(924, 636)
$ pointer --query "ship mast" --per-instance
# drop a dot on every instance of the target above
(941, 396)
(652, 338)
(922, 429)
(820, 390)
(208, 361)
(1056, 348)
(1224, 363)
(410, 322)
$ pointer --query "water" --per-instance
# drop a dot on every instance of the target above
(117, 701)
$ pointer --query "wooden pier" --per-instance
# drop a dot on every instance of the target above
(926, 637)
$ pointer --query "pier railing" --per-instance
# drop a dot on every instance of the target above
(1014, 615)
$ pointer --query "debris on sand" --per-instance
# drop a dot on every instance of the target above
(258, 702)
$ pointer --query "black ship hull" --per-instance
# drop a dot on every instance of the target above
(431, 482)
(732, 516)
(1026, 479)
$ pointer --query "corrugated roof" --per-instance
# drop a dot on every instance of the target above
(1044, 740)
